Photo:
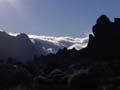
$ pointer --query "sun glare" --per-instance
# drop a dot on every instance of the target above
(12, 2)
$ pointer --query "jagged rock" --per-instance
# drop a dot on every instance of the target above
(106, 40)
(103, 19)
(102, 28)
(91, 41)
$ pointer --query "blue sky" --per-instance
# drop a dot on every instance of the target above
(55, 17)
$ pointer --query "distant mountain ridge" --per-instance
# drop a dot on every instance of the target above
(18, 47)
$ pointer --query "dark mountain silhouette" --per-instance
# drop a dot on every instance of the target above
(105, 42)
(19, 47)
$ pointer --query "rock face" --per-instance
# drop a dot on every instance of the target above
(105, 41)
(19, 47)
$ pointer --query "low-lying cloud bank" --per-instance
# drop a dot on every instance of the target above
(51, 44)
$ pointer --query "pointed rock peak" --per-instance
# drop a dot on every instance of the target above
(91, 40)
(102, 27)
(22, 35)
(91, 36)
(103, 19)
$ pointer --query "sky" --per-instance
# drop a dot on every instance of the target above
(73, 18)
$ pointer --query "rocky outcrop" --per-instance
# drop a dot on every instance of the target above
(105, 41)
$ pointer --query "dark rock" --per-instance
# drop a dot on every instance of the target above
(117, 20)
(106, 40)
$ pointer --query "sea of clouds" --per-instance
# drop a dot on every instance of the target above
(51, 44)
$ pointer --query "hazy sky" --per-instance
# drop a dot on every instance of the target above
(54, 17)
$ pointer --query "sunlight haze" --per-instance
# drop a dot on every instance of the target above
(54, 17)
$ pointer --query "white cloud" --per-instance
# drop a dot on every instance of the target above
(13, 34)
(51, 44)
(77, 46)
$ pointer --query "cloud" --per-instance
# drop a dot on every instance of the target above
(52, 44)
(13, 34)
(76, 46)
